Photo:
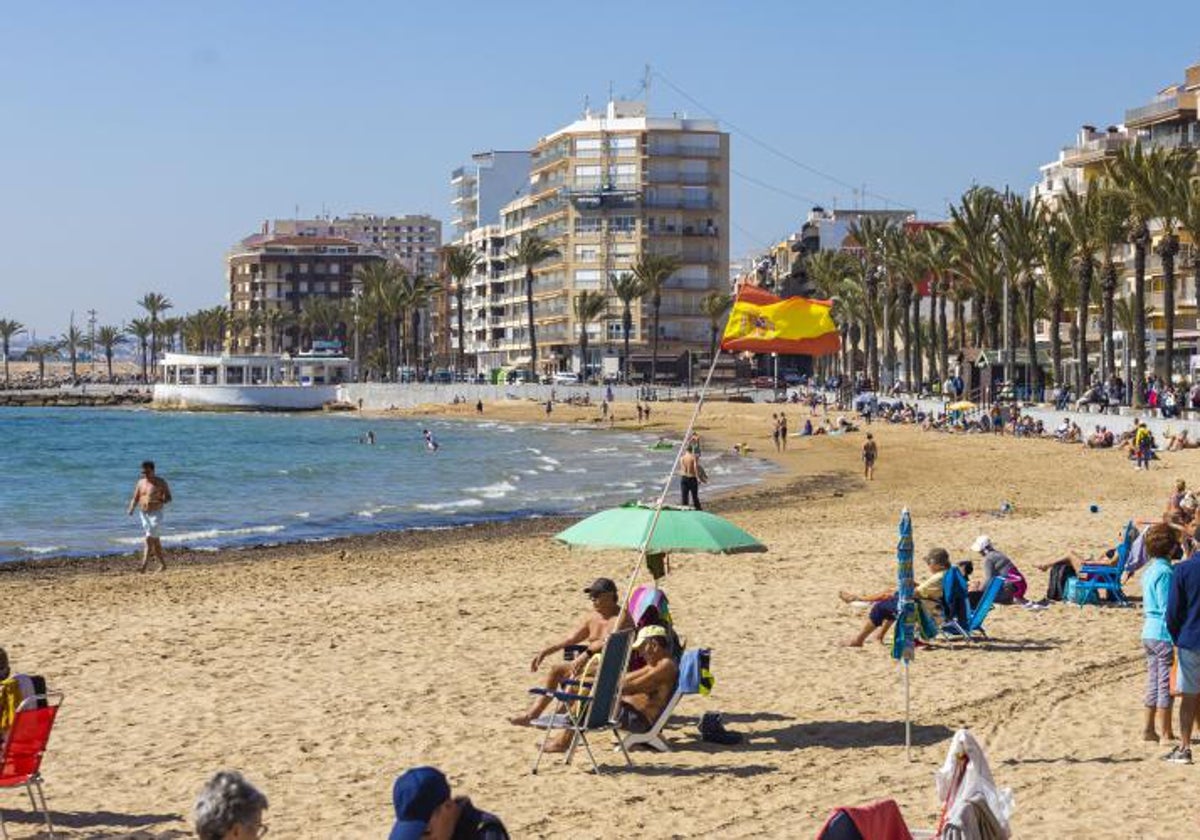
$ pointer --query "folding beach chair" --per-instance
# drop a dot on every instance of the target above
(21, 760)
(589, 707)
(962, 626)
(1094, 578)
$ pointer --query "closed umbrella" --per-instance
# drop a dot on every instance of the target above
(904, 633)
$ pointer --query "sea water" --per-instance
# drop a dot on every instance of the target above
(66, 475)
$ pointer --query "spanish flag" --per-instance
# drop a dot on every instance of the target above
(762, 323)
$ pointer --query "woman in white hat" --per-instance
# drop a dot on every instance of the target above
(996, 564)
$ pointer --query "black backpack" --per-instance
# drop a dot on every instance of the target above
(1060, 573)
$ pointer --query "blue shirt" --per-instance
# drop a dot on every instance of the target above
(1183, 604)
(1156, 588)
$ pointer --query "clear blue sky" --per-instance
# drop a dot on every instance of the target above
(139, 140)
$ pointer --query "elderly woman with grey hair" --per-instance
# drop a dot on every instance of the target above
(230, 808)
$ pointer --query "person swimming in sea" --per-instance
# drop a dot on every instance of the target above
(430, 443)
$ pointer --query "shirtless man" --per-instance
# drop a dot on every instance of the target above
(644, 692)
(690, 476)
(591, 632)
(870, 451)
(150, 494)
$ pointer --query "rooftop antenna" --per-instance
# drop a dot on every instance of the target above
(646, 87)
(587, 108)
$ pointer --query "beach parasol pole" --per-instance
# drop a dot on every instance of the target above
(662, 496)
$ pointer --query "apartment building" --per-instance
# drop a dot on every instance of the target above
(1169, 121)
(480, 188)
(413, 240)
(272, 272)
(605, 190)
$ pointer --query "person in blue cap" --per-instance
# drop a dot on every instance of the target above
(425, 809)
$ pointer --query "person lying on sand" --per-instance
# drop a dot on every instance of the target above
(883, 607)
(591, 631)
(645, 692)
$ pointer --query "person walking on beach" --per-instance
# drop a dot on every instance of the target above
(479, 406)
(150, 494)
(691, 474)
(869, 453)
(1183, 624)
(1142, 446)
(639, 412)
(783, 431)
(775, 430)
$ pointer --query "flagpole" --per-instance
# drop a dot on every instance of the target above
(662, 497)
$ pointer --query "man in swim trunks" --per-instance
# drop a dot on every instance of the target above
(150, 494)
(590, 632)
(646, 691)
(870, 452)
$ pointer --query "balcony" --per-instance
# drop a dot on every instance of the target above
(699, 179)
(667, 203)
(458, 174)
(548, 208)
(1094, 151)
(548, 157)
(1177, 107)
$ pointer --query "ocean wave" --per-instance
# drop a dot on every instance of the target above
(576, 470)
(534, 451)
(459, 503)
(546, 459)
(43, 549)
(600, 449)
(492, 491)
(208, 534)
(302, 514)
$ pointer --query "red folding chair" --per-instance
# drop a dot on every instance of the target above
(21, 760)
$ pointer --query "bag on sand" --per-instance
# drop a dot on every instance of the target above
(1060, 573)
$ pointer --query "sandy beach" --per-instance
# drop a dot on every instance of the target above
(322, 671)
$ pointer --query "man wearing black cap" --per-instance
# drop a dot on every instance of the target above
(590, 632)
(424, 808)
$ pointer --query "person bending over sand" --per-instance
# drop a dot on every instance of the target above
(646, 691)
(591, 631)
(883, 608)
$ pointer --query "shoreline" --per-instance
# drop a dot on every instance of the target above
(506, 525)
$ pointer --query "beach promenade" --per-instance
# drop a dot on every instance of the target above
(324, 670)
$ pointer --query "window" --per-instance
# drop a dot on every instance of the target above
(622, 145)
(622, 174)
(587, 253)
(304, 268)
(335, 268)
(587, 176)
(588, 224)
(624, 250)
(589, 279)
(587, 147)
(303, 286)
(623, 224)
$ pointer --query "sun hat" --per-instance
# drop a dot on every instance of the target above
(982, 542)
(416, 794)
(650, 631)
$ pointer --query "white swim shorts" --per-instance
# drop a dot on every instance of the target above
(151, 522)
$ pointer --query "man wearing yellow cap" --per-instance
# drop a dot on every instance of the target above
(646, 691)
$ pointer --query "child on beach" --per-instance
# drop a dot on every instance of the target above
(1160, 543)
(869, 453)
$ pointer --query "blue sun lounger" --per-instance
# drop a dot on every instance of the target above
(962, 622)
(1108, 577)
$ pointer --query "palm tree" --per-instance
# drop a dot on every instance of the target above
(716, 306)
(935, 252)
(141, 329)
(109, 337)
(319, 318)
(1112, 230)
(870, 233)
(370, 282)
(71, 341)
(1077, 220)
(41, 350)
(460, 262)
(653, 271)
(588, 306)
(1020, 227)
(1188, 200)
(531, 252)
(628, 288)
(417, 291)
(1125, 318)
(1055, 249)
(275, 322)
(155, 303)
(8, 329)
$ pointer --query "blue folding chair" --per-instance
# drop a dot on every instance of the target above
(955, 607)
(966, 622)
(592, 705)
(1094, 578)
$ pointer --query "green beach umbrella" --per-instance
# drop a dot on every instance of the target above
(679, 531)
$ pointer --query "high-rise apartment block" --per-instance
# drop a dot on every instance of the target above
(487, 183)
(277, 273)
(413, 241)
(605, 190)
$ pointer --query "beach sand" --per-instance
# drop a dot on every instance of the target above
(322, 671)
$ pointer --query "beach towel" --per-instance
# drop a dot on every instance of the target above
(1137, 553)
(695, 676)
(969, 789)
(880, 820)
